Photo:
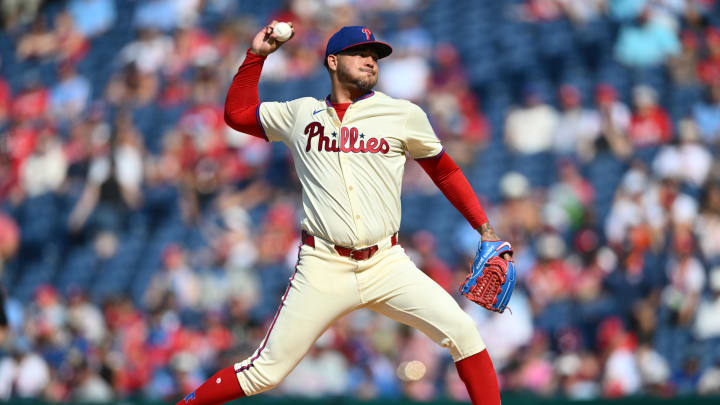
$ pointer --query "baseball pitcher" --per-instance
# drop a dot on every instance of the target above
(349, 152)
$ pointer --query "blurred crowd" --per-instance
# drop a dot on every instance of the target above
(144, 244)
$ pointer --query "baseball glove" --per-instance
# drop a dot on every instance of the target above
(492, 280)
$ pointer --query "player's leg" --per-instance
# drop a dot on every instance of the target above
(478, 374)
(321, 290)
(395, 287)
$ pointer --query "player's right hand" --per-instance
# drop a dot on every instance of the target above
(265, 42)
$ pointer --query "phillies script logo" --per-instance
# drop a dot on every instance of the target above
(350, 140)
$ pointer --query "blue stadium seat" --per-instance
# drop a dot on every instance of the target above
(145, 119)
(682, 100)
(78, 269)
(37, 216)
(538, 168)
(604, 173)
(33, 276)
(646, 154)
(150, 263)
(555, 317)
(115, 274)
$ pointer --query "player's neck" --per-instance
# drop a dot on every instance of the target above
(343, 95)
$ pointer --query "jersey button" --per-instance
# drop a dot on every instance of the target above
(357, 216)
(350, 188)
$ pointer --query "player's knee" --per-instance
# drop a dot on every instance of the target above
(271, 378)
(273, 381)
(468, 328)
(466, 336)
(261, 377)
(259, 381)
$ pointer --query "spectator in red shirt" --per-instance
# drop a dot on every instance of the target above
(456, 110)
(650, 124)
(32, 102)
(425, 245)
(71, 45)
(552, 278)
(20, 144)
(709, 69)
(5, 101)
(204, 121)
(9, 238)
(192, 46)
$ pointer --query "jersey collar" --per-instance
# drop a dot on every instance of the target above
(368, 95)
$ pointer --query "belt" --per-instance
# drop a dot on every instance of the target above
(355, 254)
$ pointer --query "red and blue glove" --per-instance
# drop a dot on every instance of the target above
(492, 280)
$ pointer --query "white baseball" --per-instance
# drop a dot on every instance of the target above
(282, 31)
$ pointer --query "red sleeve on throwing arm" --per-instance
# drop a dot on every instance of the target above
(448, 177)
(242, 102)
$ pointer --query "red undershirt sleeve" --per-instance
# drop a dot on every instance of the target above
(242, 101)
(448, 177)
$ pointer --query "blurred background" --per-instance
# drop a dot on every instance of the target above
(144, 244)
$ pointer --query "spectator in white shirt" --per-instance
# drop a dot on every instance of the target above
(529, 129)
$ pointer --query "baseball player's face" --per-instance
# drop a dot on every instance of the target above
(358, 68)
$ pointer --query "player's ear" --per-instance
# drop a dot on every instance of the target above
(332, 61)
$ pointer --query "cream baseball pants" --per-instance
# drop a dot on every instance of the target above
(326, 286)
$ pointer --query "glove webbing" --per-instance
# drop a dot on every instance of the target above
(487, 288)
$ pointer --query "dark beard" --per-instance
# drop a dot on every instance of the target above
(365, 84)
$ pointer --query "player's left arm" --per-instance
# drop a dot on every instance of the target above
(492, 277)
(426, 149)
(448, 177)
(451, 181)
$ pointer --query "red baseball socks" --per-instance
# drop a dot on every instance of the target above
(476, 371)
(478, 374)
(222, 387)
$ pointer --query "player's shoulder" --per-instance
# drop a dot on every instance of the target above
(380, 97)
(295, 105)
(306, 101)
(399, 103)
(297, 101)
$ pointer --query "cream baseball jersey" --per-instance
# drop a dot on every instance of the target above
(350, 171)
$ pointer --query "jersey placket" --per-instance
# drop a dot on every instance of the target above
(347, 173)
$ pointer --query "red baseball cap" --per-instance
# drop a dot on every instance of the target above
(605, 92)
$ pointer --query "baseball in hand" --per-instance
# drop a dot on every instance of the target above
(282, 31)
